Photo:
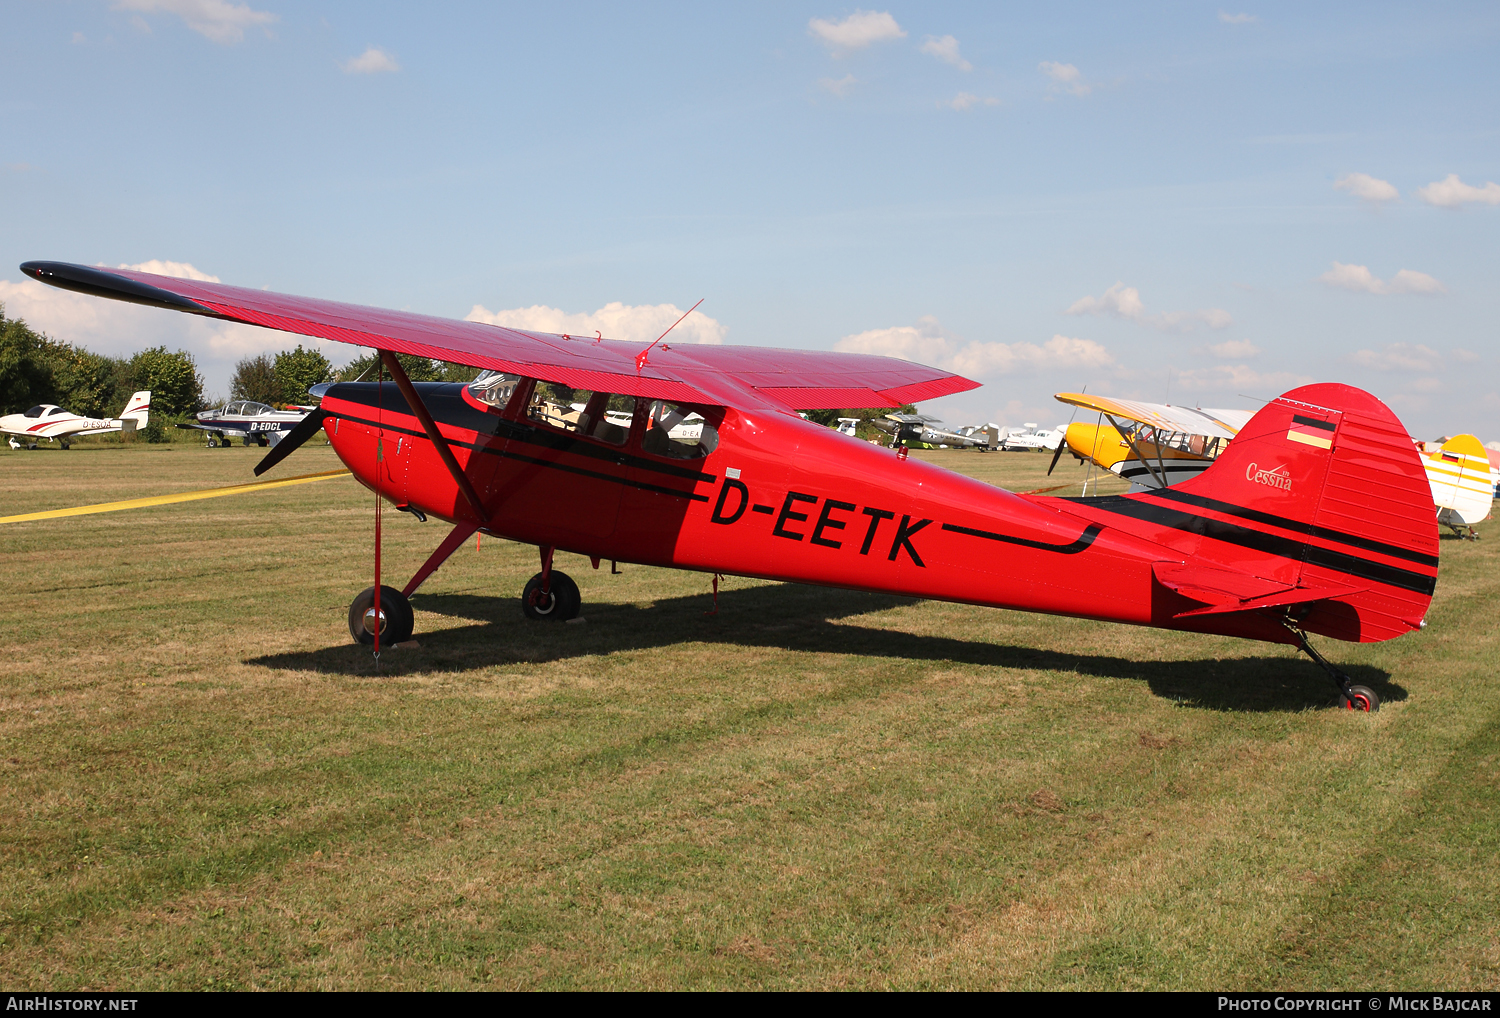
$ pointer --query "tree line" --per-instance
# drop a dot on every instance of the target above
(38, 369)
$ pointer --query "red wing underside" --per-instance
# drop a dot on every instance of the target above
(731, 376)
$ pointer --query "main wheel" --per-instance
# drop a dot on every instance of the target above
(561, 602)
(65, 444)
(1360, 698)
(395, 618)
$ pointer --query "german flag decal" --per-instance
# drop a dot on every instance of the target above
(1311, 431)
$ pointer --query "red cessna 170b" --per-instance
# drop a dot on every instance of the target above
(1316, 519)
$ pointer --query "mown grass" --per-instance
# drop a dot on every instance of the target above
(206, 785)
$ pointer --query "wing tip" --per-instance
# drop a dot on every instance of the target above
(105, 283)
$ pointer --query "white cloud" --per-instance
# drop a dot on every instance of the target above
(1237, 19)
(1065, 78)
(1371, 189)
(928, 343)
(1232, 348)
(1121, 301)
(839, 86)
(1408, 281)
(1237, 378)
(1405, 357)
(178, 270)
(1360, 279)
(946, 50)
(967, 100)
(1452, 193)
(636, 323)
(857, 31)
(371, 61)
(219, 20)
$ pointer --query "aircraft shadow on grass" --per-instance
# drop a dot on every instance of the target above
(803, 618)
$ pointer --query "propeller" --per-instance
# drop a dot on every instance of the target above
(1057, 455)
(305, 429)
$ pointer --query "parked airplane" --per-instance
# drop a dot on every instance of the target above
(1029, 439)
(253, 422)
(1339, 540)
(1151, 445)
(908, 428)
(56, 424)
(1463, 482)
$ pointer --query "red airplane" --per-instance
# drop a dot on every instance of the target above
(1316, 519)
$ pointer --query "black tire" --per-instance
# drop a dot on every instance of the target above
(399, 620)
(561, 603)
(1360, 698)
(65, 444)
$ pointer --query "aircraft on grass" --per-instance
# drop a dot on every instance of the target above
(1029, 438)
(1341, 542)
(908, 428)
(256, 423)
(1151, 445)
(56, 424)
(1463, 482)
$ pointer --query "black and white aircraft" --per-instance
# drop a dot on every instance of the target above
(256, 423)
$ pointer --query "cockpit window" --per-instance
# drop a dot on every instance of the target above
(55, 411)
(494, 388)
(681, 431)
(601, 415)
(35, 411)
(255, 409)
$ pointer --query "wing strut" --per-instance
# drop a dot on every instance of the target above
(430, 426)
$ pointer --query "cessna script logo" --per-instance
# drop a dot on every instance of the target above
(1272, 477)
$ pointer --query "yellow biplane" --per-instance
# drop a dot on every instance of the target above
(1151, 445)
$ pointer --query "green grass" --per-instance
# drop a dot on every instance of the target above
(204, 784)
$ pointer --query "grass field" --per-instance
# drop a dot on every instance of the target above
(204, 784)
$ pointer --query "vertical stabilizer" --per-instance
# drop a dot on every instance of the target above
(1324, 489)
(138, 409)
(1463, 482)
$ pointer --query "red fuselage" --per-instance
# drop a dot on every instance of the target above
(784, 499)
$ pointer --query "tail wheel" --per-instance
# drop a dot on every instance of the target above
(394, 618)
(561, 601)
(1360, 698)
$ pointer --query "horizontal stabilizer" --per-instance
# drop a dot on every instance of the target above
(1225, 590)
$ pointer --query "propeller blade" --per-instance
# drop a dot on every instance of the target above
(305, 429)
(1055, 456)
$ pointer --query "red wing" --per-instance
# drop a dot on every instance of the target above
(731, 376)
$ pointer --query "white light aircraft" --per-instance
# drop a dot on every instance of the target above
(58, 425)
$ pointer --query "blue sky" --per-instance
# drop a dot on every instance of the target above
(1182, 201)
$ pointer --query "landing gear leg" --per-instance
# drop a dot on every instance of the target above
(1351, 697)
(551, 593)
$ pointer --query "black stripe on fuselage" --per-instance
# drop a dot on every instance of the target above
(1072, 548)
(445, 401)
(1325, 533)
(1259, 540)
(490, 450)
